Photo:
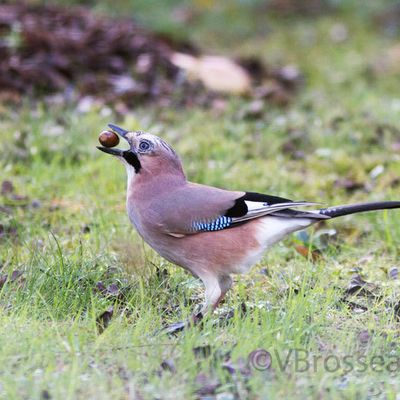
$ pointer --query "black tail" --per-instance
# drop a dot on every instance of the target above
(338, 211)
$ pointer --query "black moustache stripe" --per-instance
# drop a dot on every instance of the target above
(132, 159)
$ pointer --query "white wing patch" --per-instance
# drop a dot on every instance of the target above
(255, 205)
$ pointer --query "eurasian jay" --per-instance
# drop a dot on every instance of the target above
(210, 232)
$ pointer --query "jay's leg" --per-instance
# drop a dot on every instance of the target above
(216, 287)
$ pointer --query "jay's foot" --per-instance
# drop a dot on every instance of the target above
(181, 325)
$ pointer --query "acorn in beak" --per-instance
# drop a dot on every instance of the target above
(110, 139)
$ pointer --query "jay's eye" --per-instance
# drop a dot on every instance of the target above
(144, 145)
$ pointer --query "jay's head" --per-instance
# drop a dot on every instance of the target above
(148, 155)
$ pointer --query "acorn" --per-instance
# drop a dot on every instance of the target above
(108, 139)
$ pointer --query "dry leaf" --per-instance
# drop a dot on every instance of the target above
(217, 73)
(7, 187)
(393, 273)
(104, 319)
(306, 252)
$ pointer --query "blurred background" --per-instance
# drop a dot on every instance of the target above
(299, 99)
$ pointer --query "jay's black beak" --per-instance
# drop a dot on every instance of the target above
(114, 152)
(121, 132)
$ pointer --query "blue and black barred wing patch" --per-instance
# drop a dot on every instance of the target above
(214, 225)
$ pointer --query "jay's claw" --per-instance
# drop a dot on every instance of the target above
(175, 327)
(181, 325)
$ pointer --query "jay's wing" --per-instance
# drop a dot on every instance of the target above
(197, 208)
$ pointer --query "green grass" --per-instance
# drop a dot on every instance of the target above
(80, 234)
